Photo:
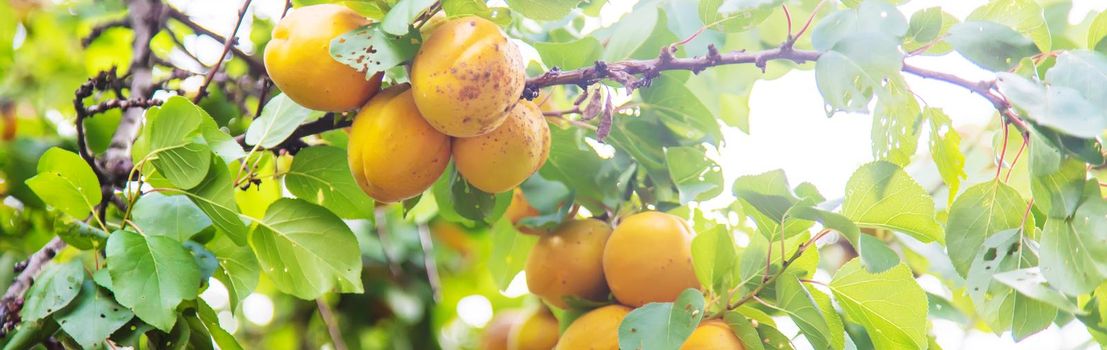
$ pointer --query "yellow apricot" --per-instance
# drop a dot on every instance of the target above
(713, 335)
(299, 62)
(497, 331)
(393, 153)
(451, 235)
(569, 262)
(502, 159)
(467, 76)
(649, 259)
(520, 209)
(539, 331)
(596, 330)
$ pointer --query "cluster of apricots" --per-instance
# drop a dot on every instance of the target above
(646, 258)
(462, 102)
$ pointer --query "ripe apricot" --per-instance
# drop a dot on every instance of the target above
(519, 210)
(467, 76)
(393, 153)
(596, 330)
(712, 335)
(649, 259)
(539, 331)
(569, 262)
(498, 330)
(299, 62)
(502, 159)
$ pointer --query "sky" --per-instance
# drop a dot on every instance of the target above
(789, 130)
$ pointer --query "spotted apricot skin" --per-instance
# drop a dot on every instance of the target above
(298, 59)
(569, 262)
(467, 76)
(596, 330)
(393, 153)
(502, 159)
(649, 259)
(713, 335)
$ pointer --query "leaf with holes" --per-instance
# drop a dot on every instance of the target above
(1001, 306)
(896, 123)
(983, 210)
(55, 287)
(662, 325)
(370, 50)
(92, 316)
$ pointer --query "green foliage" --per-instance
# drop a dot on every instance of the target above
(662, 325)
(66, 182)
(151, 275)
(890, 305)
(880, 194)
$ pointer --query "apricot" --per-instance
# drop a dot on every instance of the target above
(520, 209)
(393, 153)
(539, 331)
(496, 333)
(649, 259)
(467, 76)
(713, 335)
(569, 262)
(451, 235)
(596, 330)
(502, 159)
(299, 62)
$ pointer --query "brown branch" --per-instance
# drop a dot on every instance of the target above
(332, 327)
(326, 123)
(12, 302)
(146, 17)
(99, 29)
(227, 44)
(255, 66)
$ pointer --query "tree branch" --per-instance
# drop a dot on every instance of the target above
(255, 66)
(99, 29)
(146, 17)
(332, 326)
(227, 44)
(12, 302)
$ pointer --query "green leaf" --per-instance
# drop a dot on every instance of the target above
(1056, 180)
(220, 142)
(890, 305)
(570, 55)
(697, 177)
(172, 216)
(470, 203)
(278, 120)
(1097, 31)
(800, 306)
(662, 325)
(945, 149)
(238, 268)
(543, 10)
(1029, 282)
(926, 27)
(735, 16)
(744, 329)
(92, 316)
(875, 254)
(221, 337)
(848, 75)
(1000, 306)
(215, 197)
(172, 133)
(306, 250)
(598, 182)
(629, 40)
(66, 182)
(368, 9)
(151, 275)
(370, 50)
(399, 18)
(875, 17)
(1024, 16)
(880, 194)
(1083, 71)
(896, 124)
(1073, 256)
(836, 331)
(983, 210)
(1056, 106)
(322, 176)
(54, 288)
(680, 110)
(82, 236)
(769, 195)
(990, 45)
(552, 199)
(509, 250)
(714, 258)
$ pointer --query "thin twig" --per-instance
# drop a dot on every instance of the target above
(382, 237)
(429, 263)
(227, 43)
(255, 66)
(332, 326)
(99, 29)
(12, 302)
(783, 267)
